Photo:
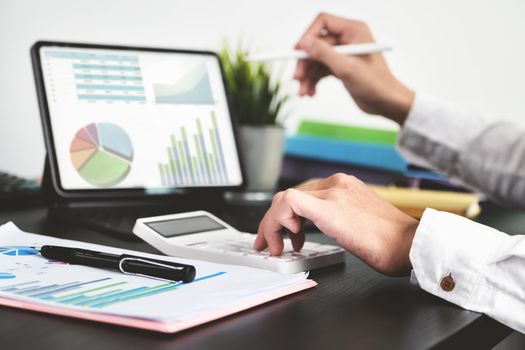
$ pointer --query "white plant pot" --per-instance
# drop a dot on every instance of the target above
(261, 149)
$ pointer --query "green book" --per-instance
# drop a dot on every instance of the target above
(347, 132)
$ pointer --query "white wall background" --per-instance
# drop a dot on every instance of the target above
(471, 52)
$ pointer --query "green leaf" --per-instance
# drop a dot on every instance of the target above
(255, 98)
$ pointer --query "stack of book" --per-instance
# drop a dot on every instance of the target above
(321, 148)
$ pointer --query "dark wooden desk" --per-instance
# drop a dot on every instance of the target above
(353, 307)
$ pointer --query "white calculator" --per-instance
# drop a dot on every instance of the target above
(200, 235)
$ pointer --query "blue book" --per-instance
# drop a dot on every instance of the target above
(372, 155)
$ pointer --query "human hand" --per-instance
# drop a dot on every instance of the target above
(347, 210)
(366, 77)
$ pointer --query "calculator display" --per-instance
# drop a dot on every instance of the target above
(184, 226)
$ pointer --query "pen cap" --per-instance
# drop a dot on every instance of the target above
(56, 252)
(158, 268)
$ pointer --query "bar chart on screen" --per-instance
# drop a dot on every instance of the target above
(195, 159)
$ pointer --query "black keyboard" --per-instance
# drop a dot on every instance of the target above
(15, 190)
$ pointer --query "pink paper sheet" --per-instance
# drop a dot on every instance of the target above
(156, 326)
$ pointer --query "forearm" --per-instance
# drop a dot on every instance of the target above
(486, 266)
(488, 156)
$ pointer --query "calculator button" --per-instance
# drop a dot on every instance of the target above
(234, 248)
(259, 255)
(288, 245)
(212, 249)
(237, 252)
(280, 258)
(255, 252)
(222, 247)
(310, 245)
(307, 252)
(291, 255)
(243, 244)
(327, 248)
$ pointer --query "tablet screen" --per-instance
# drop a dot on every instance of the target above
(138, 119)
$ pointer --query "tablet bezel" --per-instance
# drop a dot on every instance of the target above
(117, 192)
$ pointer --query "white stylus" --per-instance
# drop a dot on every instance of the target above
(351, 49)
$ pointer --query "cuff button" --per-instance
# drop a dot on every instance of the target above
(447, 283)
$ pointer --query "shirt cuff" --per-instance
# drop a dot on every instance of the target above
(450, 254)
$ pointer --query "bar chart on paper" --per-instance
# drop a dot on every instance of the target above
(26, 274)
(195, 159)
(97, 293)
(32, 282)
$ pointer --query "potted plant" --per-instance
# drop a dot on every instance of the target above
(256, 101)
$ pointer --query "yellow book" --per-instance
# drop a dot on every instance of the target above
(414, 201)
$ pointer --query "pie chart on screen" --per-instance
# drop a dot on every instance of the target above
(102, 154)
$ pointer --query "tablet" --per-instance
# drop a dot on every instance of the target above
(129, 120)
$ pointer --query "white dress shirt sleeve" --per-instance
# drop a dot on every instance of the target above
(486, 266)
(485, 155)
